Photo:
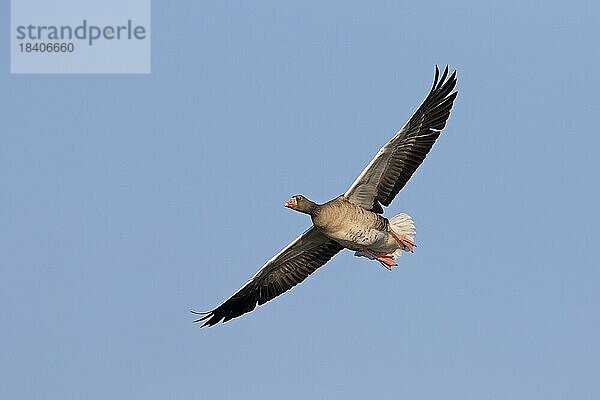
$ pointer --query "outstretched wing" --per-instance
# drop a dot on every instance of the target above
(289, 267)
(395, 163)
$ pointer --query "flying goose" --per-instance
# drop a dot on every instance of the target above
(352, 220)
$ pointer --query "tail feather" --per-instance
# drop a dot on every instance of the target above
(403, 225)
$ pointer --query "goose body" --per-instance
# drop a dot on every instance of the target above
(352, 220)
(354, 227)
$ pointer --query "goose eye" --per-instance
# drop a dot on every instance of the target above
(298, 198)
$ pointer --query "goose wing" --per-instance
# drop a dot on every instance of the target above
(285, 270)
(395, 163)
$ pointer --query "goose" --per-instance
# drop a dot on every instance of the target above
(354, 219)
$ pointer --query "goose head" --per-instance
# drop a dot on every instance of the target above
(301, 204)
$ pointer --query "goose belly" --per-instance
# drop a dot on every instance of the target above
(386, 245)
(359, 238)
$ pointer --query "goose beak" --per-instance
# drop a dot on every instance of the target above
(291, 203)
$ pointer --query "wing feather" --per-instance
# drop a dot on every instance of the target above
(396, 162)
(285, 270)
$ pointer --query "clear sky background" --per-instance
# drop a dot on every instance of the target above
(126, 201)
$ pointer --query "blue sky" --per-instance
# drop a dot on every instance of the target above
(128, 200)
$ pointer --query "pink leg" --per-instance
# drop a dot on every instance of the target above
(384, 259)
(405, 242)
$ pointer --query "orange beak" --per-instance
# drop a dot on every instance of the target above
(291, 203)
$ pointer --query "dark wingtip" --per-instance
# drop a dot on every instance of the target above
(435, 78)
(438, 81)
(205, 316)
(444, 75)
(207, 324)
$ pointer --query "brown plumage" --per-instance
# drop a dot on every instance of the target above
(352, 220)
(347, 223)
